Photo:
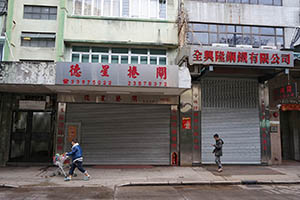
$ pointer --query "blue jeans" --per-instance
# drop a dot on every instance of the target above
(77, 164)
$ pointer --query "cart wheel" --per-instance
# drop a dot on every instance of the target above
(59, 173)
(75, 175)
(53, 174)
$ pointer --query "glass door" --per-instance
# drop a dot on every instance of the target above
(18, 136)
(31, 138)
(40, 143)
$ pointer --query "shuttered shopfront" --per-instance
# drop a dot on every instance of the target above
(123, 134)
(230, 108)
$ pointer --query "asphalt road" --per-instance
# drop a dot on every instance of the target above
(261, 192)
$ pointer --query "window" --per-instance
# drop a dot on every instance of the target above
(3, 6)
(40, 12)
(256, 36)
(1, 50)
(119, 55)
(262, 2)
(156, 9)
(37, 39)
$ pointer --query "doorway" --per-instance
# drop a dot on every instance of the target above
(290, 135)
(31, 138)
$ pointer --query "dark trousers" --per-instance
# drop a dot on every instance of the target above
(77, 164)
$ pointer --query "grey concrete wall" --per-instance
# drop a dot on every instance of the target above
(27, 73)
(286, 16)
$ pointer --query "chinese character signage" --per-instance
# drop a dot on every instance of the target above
(116, 75)
(285, 92)
(234, 56)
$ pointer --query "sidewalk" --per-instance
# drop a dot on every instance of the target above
(112, 177)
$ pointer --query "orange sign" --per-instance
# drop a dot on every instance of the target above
(72, 132)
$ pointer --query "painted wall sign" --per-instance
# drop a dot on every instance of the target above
(285, 92)
(107, 98)
(245, 57)
(186, 123)
(32, 105)
(72, 132)
(116, 75)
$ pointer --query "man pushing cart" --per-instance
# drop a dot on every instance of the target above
(77, 160)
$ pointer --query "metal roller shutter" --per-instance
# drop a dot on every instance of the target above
(119, 134)
(230, 108)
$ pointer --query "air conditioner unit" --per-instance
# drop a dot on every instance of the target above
(244, 46)
(268, 47)
(219, 45)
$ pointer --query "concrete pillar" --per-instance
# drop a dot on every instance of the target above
(186, 134)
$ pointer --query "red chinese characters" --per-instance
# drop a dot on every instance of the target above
(286, 58)
(220, 56)
(75, 70)
(161, 72)
(253, 58)
(264, 58)
(275, 59)
(243, 57)
(197, 56)
(104, 71)
(132, 72)
(231, 57)
(209, 55)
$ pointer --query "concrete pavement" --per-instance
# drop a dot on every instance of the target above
(118, 176)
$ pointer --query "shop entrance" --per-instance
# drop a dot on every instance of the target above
(290, 135)
(31, 138)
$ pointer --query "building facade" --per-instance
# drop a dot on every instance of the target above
(234, 50)
(80, 66)
(117, 74)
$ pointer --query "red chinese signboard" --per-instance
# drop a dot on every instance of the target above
(98, 74)
(285, 92)
(234, 56)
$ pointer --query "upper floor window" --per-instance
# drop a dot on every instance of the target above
(37, 39)
(1, 50)
(232, 35)
(262, 2)
(119, 55)
(40, 12)
(155, 9)
(3, 6)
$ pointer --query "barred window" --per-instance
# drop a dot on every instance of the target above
(233, 35)
(118, 55)
(37, 39)
(156, 9)
(40, 12)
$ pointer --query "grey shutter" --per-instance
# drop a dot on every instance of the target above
(230, 108)
(119, 134)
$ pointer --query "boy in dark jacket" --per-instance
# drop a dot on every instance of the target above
(218, 151)
(77, 159)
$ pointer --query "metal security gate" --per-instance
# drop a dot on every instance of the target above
(230, 108)
(119, 134)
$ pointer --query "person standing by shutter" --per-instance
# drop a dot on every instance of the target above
(218, 151)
